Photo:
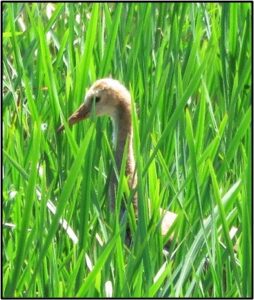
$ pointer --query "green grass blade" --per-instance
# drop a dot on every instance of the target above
(30, 193)
(97, 268)
(65, 194)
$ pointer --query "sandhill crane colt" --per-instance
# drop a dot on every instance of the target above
(109, 97)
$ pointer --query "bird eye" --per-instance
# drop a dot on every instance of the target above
(97, 99)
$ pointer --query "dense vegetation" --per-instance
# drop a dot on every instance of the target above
(188, 67)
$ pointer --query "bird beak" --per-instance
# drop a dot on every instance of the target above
(80, 114)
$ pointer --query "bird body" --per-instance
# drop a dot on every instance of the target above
(109, 97)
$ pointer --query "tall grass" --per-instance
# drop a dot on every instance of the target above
(188, 67)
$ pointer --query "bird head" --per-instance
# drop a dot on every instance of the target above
(105, 97)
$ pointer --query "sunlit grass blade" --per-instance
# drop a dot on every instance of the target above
(109, 50)
(97, 268)
(64, 196)
(29, 196)
(224, 222)
(246, 228)
(198, 242)
(86, 58)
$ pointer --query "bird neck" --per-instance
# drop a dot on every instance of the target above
(122, 133)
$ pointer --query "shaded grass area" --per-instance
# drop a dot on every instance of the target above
(188, 67)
